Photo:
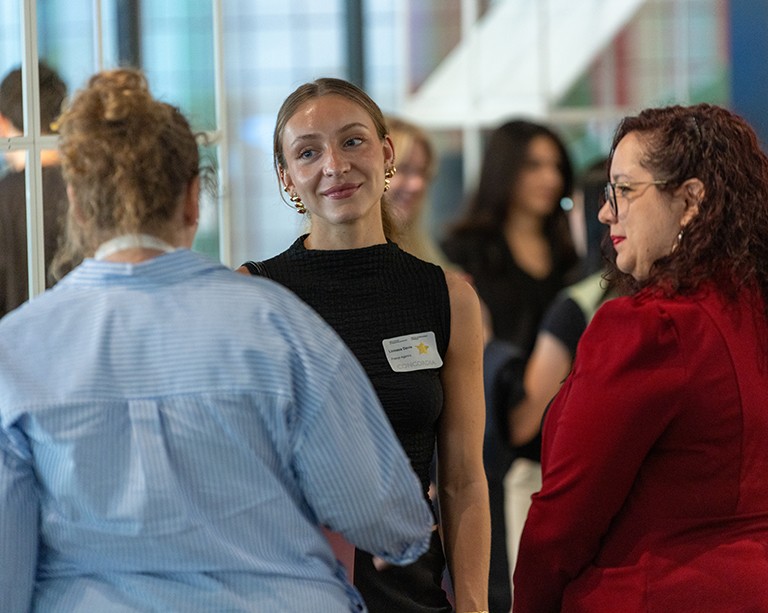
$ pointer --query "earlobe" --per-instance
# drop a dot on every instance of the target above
(694, 191)
(389, 151)
(694, 195)
(285, 179)
(192, 202)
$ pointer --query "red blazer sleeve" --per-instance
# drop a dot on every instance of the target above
(624, 389)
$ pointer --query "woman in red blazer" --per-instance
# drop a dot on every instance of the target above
(655, 457)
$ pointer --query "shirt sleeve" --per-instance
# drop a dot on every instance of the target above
(565, 321)
(19, 514)
(354, 472)
(622, 394)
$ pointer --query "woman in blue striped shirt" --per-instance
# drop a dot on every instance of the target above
(173, 435)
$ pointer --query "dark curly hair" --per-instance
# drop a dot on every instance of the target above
(727, 242)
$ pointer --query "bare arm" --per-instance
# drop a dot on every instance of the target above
(462, 485)
(548, 366)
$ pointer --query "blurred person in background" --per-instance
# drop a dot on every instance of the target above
(514, 241)
(406, 200)
(14, 279)
(513, 238)
(553, 353)
(566, 318)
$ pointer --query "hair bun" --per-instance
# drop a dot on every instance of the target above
(121, 93)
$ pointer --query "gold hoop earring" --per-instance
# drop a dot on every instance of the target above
(298, 204)
(388, 174)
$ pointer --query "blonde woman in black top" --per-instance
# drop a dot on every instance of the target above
(415, 329)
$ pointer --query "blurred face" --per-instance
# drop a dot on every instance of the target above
(540, 184)
(648, 221)
(335, 161)
(409, 185)
(14, 159)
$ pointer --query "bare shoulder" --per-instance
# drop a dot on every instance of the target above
(461, 293)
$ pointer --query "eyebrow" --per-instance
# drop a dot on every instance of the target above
(313, 135)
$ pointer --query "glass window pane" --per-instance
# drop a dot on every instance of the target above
(10, 51)
(207, 237)
(177, 56)
(270, 49)
(10, 35)
(65, 38)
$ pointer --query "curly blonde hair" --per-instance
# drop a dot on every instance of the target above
(126, 157)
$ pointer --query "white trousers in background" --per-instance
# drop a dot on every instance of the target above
(521, 481)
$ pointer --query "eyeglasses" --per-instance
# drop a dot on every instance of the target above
(623, 188)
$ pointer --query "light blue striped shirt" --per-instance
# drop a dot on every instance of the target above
(173, 433)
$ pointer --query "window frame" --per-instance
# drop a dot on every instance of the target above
(33, 142)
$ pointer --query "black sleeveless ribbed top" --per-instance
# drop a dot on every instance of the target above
(369, 295)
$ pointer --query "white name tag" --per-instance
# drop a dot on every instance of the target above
(412, 352)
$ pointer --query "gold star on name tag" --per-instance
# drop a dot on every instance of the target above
(411, 352)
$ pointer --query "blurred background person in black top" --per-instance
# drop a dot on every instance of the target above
(14, 284)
